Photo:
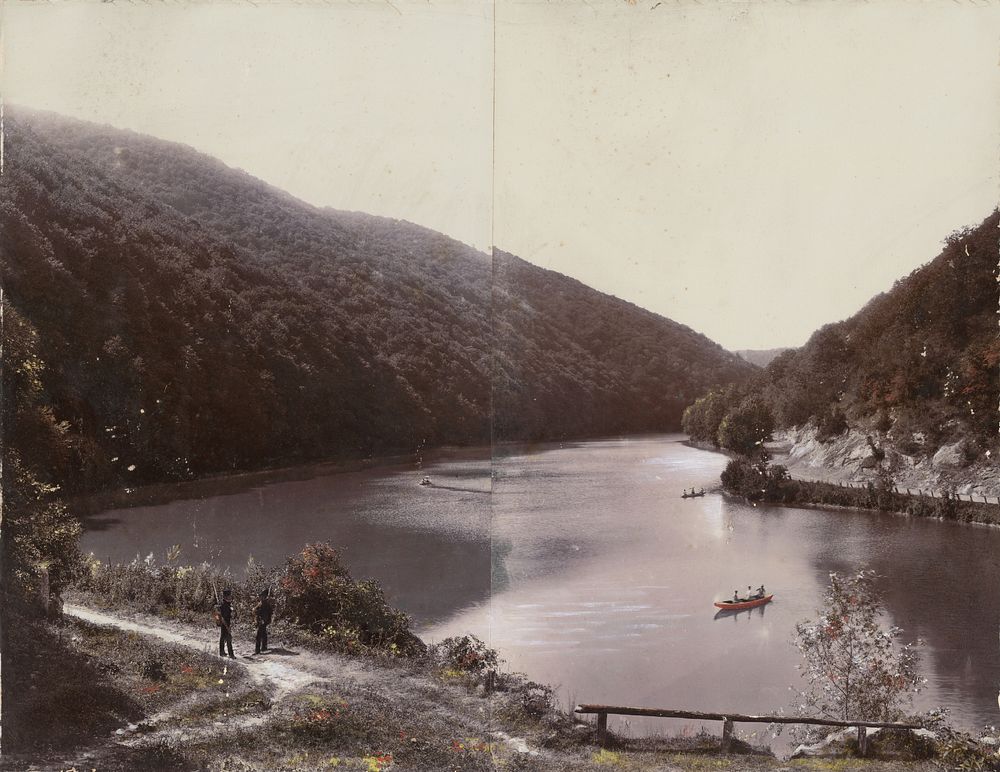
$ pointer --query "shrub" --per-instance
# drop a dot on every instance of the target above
(321, 597)
(466, 654)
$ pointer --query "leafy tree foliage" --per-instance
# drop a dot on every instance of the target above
(730, 418)
(196, 321)
(852, 664)
(39, 535)
(919, 362)
(746, 427)
(755, 480)
(38, 551)
(701, 420)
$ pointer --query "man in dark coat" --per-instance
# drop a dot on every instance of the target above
(262, 616)
(225, 618)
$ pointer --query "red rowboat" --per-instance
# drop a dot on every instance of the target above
(729, 605)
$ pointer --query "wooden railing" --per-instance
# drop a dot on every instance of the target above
(728, 719)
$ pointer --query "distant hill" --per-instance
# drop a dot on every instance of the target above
(196, 320)
(920, 363)
(760, 357)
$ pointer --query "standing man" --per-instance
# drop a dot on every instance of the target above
(225, 624)
(262, 616)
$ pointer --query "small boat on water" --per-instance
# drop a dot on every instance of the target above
(742, 603)
(425, 481)
(692, 494)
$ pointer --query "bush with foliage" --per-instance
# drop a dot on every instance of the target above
(962, 751)
(854, 667)
(320, 596)
(467, 657)
(465, 654)
(756, 480)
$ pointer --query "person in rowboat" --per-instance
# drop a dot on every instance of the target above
(760, 592)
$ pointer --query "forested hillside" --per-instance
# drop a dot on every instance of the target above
(196, 320)
(566, 353)
(919, 363)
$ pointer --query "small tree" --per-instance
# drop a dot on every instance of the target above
(853, 668)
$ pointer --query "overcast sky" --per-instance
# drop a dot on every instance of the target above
(753, 170)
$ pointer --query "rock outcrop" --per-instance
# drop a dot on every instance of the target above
(851, 457)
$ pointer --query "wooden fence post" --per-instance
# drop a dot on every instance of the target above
(863, 740)
(727, 735)
(602, 729)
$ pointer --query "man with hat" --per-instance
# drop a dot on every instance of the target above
(225, 620)
(262, 616)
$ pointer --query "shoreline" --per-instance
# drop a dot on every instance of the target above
(89, 505)
(989, 511)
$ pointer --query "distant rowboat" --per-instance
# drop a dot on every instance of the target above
(692, 495)
(739, 605)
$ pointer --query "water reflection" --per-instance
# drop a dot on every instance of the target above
(735, 614)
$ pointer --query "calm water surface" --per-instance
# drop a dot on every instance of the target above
(603, 578)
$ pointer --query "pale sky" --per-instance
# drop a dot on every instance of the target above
(753, 170)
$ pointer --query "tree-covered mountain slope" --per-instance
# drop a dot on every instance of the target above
(565, 353)
(921, 361)
(194, 320)
(918, 366)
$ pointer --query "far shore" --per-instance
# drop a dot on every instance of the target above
(238, 482)
(228, 483)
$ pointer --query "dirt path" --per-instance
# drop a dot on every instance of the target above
(268, 670)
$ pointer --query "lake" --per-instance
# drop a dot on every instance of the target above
(585, 568)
